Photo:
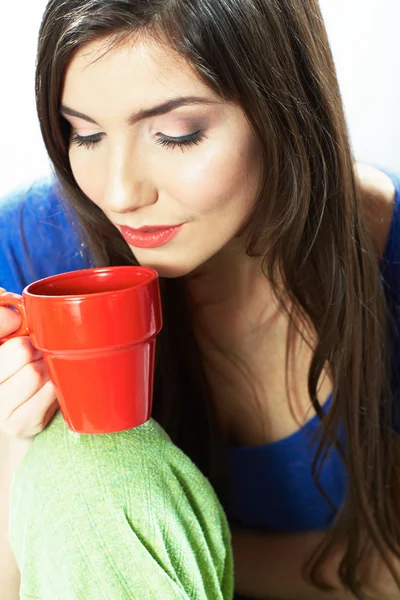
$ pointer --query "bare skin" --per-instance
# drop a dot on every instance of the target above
(245, 338)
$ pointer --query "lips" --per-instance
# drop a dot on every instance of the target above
(150, 237)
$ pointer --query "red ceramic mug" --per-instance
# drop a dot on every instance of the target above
(97, 331)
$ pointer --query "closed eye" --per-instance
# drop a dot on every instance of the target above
(183, 141)
(88, 141)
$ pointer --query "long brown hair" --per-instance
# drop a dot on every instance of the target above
(272, 58)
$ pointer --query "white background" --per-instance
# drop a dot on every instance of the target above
(363, 36)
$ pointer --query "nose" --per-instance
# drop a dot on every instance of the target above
(129, 183)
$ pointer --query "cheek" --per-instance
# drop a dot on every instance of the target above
(218, 177)
(88, 176)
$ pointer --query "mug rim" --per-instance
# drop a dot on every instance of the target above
(29, 292)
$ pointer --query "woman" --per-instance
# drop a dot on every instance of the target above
(207, 140)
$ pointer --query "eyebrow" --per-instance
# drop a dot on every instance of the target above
(155, 111)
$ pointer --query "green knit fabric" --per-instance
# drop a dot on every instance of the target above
(117, 517)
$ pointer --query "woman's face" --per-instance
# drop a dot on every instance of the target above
(155, 148)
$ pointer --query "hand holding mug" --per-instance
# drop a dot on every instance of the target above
(96, 329)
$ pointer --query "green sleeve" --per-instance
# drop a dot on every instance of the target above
(117, 517)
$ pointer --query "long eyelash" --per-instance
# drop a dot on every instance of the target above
(185, 141)
(87, 141)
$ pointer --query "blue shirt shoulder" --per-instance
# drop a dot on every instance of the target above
(38, 237)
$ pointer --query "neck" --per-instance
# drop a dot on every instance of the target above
(230, 277)
(231, 298)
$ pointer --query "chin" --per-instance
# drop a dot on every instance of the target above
(168, 270)
(172, 264)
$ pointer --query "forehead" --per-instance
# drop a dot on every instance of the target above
(140, 70)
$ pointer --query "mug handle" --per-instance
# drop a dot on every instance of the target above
(14, 301)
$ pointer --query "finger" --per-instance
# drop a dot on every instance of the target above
(51, 411)
(16, 354)
(33, 416)
(17, 390)
(10, 321)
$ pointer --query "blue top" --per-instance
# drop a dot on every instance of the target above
(273, 483)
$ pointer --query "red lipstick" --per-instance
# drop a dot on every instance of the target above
(150, 237)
